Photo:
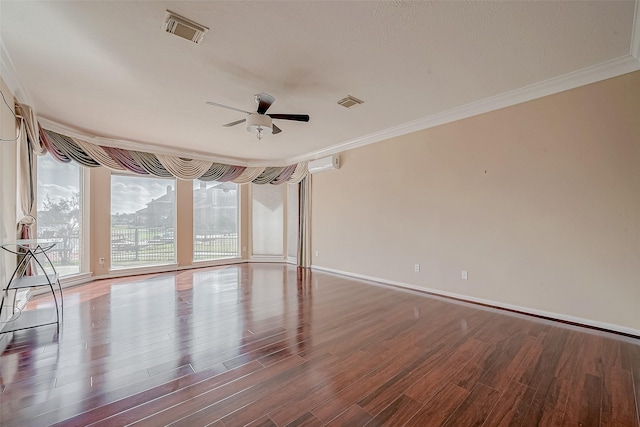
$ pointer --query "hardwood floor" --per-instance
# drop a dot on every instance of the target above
(269, 345)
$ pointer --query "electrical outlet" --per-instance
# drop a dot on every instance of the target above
(316, 253)
(416, 267)
(465, 275)
(101, 260)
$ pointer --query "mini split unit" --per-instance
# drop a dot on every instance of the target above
(324, 164)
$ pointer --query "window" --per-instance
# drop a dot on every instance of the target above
(215, 220)
(143, 215)
(60, 202)
(268, 219)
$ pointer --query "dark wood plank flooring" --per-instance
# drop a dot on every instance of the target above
(270, 345)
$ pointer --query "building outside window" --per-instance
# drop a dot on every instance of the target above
(215, 220)
(143, 217)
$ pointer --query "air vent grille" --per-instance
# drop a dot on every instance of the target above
(183, 27)
(350, 101)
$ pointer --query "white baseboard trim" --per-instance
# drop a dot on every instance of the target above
(65, 282)
(267, 259)
(76, 279)
(114, 274)
(437, 292)
(81, 279)
(486, 302)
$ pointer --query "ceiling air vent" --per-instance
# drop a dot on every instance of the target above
(350, 101)
(182, 27)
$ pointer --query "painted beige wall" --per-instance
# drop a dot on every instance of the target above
(539, 202)
(184, 222)
(100, 221)
(8, 199)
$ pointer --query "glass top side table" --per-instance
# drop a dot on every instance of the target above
(35, 260)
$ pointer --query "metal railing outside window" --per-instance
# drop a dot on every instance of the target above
(136, 246)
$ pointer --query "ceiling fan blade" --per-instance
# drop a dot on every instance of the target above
(237, 122)
(227, 107)
(276, 129)
(264, 102)
(296, 117)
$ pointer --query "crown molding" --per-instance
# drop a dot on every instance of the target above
(10, 77)
(593, 74)
(605, 70)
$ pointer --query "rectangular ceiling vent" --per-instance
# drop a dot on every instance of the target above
(350, 101)
(183, 27)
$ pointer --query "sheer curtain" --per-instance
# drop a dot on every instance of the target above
(28, 145)
(26, 178)
(304, 227)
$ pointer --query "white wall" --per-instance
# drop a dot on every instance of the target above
(539, 202)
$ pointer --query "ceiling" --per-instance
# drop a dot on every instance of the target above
(107, 70)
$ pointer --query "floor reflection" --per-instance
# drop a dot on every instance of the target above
(235, 343)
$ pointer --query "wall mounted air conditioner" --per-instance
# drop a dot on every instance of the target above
(324, 164)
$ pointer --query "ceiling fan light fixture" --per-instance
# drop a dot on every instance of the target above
(259, 124)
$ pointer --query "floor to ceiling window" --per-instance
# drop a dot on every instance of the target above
(60, 204)
(215, 220)
(143, 217)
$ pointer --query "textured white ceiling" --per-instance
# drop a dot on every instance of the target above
(108, 69)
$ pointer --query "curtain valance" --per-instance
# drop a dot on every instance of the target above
(66, 148)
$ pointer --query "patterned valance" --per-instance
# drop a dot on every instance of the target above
(65, 149)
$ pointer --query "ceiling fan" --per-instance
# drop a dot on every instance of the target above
(259, 121)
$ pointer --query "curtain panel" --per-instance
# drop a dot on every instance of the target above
(304, 222)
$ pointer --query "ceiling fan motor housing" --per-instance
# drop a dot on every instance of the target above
(259, 123)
